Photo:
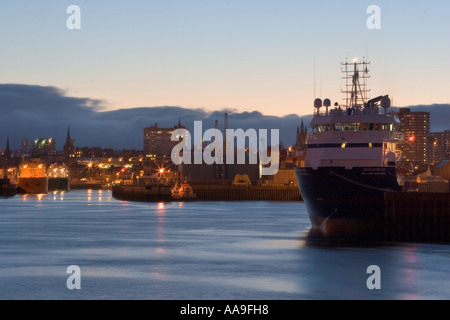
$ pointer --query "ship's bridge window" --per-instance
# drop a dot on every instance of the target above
(354, 126)
(347, 126)
(321, 128)
(377, 126)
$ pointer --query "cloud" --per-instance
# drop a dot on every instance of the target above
(28, 111)
(32, 112)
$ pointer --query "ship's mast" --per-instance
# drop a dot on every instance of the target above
(356, 92)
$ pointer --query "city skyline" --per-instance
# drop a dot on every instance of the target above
(247, 56)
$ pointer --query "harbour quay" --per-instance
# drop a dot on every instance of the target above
(246, 193)
(417, 216)
(211, 193)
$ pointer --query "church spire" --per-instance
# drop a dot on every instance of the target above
(69, 147)
(7, 153)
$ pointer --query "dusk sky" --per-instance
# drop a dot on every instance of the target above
(245, 55)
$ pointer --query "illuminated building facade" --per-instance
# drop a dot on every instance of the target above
(157, 142)
(438, 147)
(416, 127)
(44, 147)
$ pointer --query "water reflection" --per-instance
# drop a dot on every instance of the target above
(318, 239)
(199, 250)
(56, 193)
(38, 197)
(160, 215)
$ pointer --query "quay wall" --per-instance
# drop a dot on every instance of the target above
(417, 216)
(246, 193)
(133, 193)
(216, 193)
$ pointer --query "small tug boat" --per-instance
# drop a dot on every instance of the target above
(183, 192)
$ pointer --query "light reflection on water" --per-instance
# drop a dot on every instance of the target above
(197, 250)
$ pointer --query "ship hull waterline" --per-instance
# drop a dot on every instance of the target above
(33, 185)
(346, 202)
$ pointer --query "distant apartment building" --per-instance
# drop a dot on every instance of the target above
(438, 147)
(158, 144)
(416, 127)
(93, 152)
(26, 147)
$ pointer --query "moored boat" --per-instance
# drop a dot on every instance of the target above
(7, 188)
(58, 178)
(351, 159)
(183, 192)
(33, 178)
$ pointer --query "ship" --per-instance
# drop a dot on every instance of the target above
(32, 177)
(351, 158)
(8, 182)
(58, 178)
(7, 188)
(182, 192)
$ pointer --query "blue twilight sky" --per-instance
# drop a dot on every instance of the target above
(214, 54)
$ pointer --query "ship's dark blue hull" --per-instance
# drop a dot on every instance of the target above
(346, 201)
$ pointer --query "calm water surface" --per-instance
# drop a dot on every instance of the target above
(197, 250)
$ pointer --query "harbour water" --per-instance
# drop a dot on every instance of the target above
(198, 251)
